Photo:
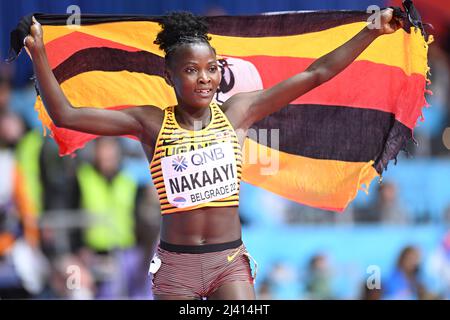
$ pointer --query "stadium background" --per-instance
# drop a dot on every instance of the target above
(302, 253)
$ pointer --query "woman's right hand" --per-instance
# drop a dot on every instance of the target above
(34, 41)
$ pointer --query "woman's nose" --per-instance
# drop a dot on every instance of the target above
(203, 78)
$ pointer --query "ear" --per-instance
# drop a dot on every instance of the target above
(221, 73)
(168, 77)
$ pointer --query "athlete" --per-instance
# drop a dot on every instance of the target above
(194, 151)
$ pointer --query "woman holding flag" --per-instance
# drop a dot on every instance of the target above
(194, 150)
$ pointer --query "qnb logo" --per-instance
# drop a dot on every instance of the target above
(179, 163)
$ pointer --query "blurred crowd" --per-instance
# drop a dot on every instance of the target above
(70, 227)
(416, 275)
(411, 278)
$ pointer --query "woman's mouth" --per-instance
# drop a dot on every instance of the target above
(203, 92)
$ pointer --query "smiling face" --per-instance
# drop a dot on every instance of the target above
(194, 73)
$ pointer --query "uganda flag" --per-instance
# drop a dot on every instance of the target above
(319, 150)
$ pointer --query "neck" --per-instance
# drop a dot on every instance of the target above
(193, 118)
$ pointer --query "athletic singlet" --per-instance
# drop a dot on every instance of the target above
(194, 169)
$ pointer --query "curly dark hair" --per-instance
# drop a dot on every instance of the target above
(179, 28)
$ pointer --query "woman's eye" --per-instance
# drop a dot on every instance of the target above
(213, 69)
(190, 70)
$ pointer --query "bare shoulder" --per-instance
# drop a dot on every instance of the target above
(236, 109)
(229, 104)
(147, 115)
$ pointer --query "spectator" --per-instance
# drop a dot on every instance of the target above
(437, 269)
(19, 236)
(282, 280)
(265, 290)
(428, 133)
(370, 293)
(55, 178)
(5, 88)
(404, 283)
(109, 197)
(318, 279)
(386, 209)
(134, 263)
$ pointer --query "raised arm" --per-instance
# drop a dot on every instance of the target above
(247, 108)
(87, 119)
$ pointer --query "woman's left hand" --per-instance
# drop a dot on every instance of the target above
(388, 23)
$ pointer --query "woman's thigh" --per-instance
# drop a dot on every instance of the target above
(236, 290)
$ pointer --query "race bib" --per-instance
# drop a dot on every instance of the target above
(200, 176)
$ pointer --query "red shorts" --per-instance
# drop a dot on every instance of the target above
(196, 273)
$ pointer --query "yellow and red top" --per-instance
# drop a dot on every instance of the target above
(195, 169)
